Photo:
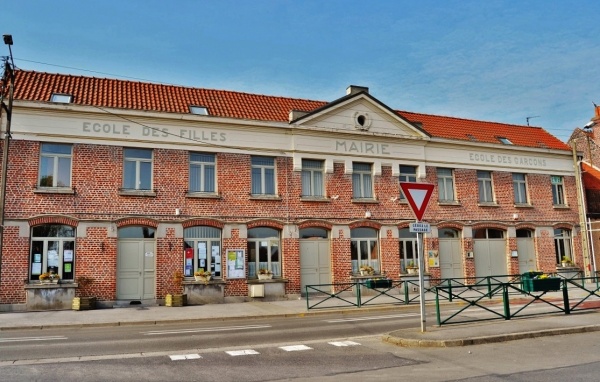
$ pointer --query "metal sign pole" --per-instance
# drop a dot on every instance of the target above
(421, 272)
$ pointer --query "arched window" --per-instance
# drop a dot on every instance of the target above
(202, 249)
(364, 249)
(52, 251)
(263, 251)
(448, 233)
(313, 233)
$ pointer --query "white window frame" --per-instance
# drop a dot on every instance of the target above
(57, 163)
(446, 191)
(59, 247)
(558, 190)
(137, 161)
(485, 186)
(562, 244)
(407, 174)
(361, 177)
(263, 168)
(313, 184)
(408, 243)
(369, 255)
(200, 166)
(520, 188)
(271, 243)
(204, 246)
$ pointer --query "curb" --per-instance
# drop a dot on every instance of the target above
(432, 343)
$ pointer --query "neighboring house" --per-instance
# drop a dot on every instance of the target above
(586, 142)
(129, 182)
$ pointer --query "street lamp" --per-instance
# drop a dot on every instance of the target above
(9, 75)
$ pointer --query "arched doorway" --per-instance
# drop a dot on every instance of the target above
(526, 251)
(451, 262)
(489, 247)
(315, 259)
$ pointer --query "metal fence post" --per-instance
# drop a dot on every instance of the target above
(358, 293)
(437, 307)
(505, 302)
(566, 297)
(406, 298)
(450, 290)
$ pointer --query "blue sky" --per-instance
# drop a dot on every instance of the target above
(490, 60)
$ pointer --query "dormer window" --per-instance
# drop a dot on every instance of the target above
(505, 141)
(198, 110)
(61, 98)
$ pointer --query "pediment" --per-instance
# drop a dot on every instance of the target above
(360, 114)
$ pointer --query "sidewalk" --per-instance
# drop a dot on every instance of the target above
(434, 336)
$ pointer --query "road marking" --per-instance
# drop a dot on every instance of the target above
(184, 357)
(372, 318)
(344, 343)
(295, 348)
(218, 329)
(24, 339)
(234, 353)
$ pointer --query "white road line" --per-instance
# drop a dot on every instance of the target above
(234, 353)
(372, 318)
(344, 343)
(218, 329)
(25, 339)
(295, 348)
(184, 357)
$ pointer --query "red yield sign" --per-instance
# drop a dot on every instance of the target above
(418, 195)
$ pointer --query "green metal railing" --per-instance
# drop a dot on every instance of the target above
(575, 296)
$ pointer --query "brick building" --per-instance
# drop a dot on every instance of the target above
(586, 141)
(128, 182)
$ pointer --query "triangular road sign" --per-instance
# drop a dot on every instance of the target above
(418, 195)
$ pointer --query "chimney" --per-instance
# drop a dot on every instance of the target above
(354, 89)
(295, 114)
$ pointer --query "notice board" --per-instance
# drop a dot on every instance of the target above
(236, 263)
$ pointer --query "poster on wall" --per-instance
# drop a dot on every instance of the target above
(189, 261)
(52, 258)
(68, 255)
(434, 259)
(236, 268)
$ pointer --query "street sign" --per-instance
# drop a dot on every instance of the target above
(420, 227)
(418, 195)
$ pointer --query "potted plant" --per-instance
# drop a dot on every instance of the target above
(265, 274)
(176, 299)
(202, 275)
(45, 278)
(412, 268)
(566, 262)
(366, 270)
(54, 278)
(84, 301)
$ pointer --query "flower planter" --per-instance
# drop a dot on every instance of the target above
(84, 303)
(541, 285)
(176, 300)
(204, 279)
(265, 276)
(412, 271)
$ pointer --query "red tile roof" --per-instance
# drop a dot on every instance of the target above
(112, 93)
(591, 177)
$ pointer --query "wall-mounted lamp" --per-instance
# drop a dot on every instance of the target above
(367, 214)
(394, 199)
(177, 211)
(515, 216)
(334, 197)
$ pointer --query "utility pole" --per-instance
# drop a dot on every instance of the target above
(8, 77)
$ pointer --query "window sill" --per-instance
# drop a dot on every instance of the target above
(203, 195)
(561, 207)
(488, 204)
(212, 281)
(368, 201)
(523, 205)
(39, 285)
(273, 280)
(145, 193)
(265, 197)
(54, 190)
(320, 199)
(454, 203)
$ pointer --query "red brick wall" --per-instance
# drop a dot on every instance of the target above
(97, 178)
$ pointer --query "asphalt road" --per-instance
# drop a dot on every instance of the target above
(312, 348)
